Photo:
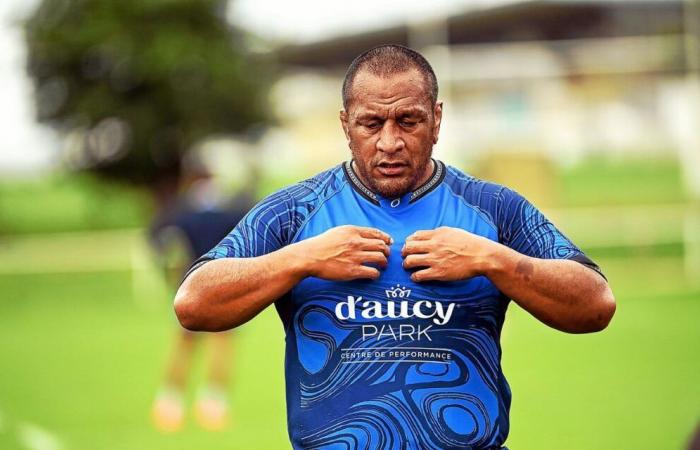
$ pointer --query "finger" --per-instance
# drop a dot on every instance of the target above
(420, 235)
(373, 258)
(425, 275)
(416, 247)
(374, 233)
(413, 261)
(375, 245)
(363, 272)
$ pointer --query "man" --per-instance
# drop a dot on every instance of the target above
(193, 220)
(392, 274)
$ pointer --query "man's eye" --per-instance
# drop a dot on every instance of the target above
(408, 123)
(372, 125)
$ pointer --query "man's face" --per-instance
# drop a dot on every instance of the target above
(391, 127)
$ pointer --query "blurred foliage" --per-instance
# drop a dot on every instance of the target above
(134, 83)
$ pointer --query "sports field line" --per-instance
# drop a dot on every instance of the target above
(70, 252)
(31, 435)
(34, 437)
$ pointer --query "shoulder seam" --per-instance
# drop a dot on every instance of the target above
(344, 183)
(478, 210)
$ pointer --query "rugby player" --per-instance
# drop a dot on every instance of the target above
(391, 274)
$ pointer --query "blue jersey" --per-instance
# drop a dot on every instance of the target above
(389, 363)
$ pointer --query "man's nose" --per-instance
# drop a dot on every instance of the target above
(390, 140)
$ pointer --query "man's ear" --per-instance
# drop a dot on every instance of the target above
(437, 113)
(344, 122)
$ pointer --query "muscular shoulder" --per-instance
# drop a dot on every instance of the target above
(520, 225)
(307, 194)
(290, 206)
(487, 197)
(302, 198)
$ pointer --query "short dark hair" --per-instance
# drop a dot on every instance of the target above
(389, 59)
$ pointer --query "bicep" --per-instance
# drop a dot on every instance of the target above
(527, 230)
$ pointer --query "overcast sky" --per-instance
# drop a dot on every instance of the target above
(26, 147)
(304, 20)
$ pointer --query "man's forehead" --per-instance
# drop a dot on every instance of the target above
(361, 110)
(371, 91)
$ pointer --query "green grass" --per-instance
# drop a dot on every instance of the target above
(632, 386)
(70, 202)
(82, 359)
(604, 181)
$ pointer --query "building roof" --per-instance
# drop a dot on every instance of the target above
(514, 22)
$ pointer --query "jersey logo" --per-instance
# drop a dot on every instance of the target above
(392, 309)
(397, 306)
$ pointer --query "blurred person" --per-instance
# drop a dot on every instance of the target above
(694, 442)
(190, 224)
(391, 274)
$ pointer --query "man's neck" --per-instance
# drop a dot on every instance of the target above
(429, 169)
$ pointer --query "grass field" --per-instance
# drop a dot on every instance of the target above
(81, 361)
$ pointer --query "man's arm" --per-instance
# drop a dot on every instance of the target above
(563, 294)
(227, 292)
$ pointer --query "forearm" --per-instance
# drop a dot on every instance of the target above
(225, 293)
(228, 292)
(564, 294)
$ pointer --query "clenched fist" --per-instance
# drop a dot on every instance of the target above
(341, 253)
(447, 254)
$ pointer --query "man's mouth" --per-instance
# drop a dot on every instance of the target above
(392, 169)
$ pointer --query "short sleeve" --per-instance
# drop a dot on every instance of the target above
(526, 230)
(264, 229)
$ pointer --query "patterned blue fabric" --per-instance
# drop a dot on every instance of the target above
(389, 363)
(520, 225)
(274, 221)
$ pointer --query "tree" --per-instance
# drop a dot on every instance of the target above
(135, 83)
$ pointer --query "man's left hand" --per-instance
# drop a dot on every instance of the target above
(447, 254)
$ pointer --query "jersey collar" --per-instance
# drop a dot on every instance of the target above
(433, 182)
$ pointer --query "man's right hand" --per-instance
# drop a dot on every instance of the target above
(340, 254)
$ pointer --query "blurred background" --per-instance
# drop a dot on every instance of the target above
(114, 111)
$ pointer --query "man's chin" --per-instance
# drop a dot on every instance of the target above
(392, 188)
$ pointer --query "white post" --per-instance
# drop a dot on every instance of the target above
(689, 149)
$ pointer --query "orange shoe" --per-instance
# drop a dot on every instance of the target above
(211, 409)
(168, 411)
